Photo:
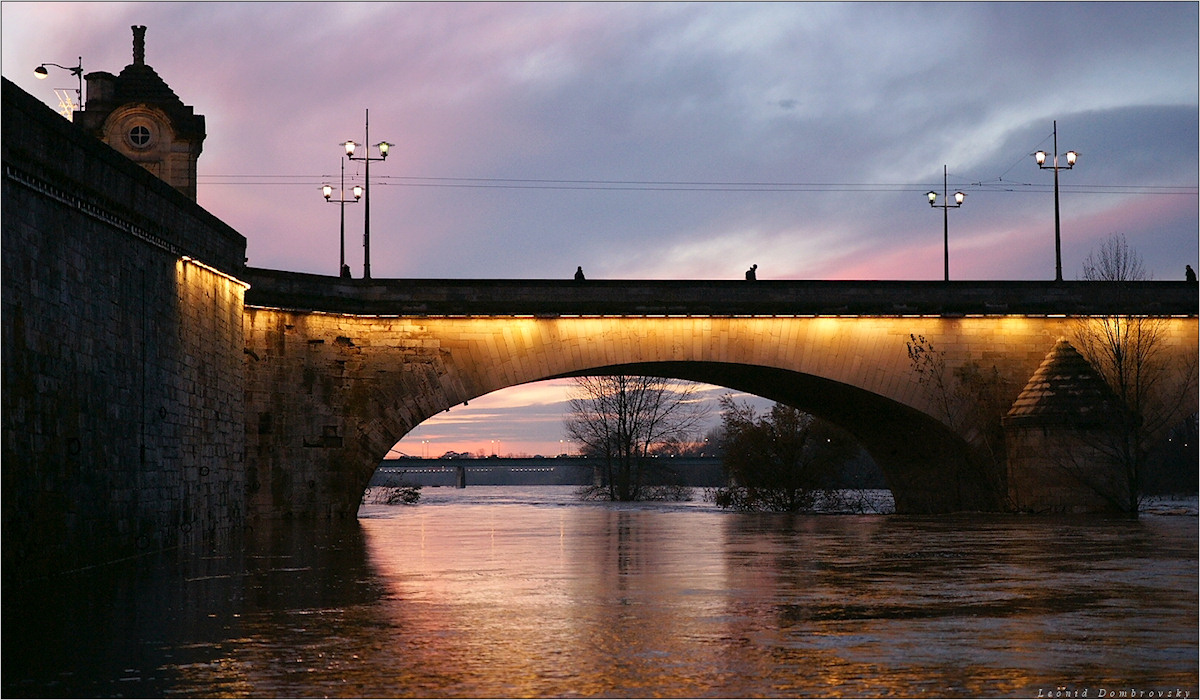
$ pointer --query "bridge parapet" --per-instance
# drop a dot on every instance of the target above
(552, 298)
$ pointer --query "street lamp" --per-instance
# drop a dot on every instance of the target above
(383, 147)
(958, 201)
(65, 107)
(1040, 158)
(327, 190)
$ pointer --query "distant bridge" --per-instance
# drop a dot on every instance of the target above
(545, 471)
(339, 370)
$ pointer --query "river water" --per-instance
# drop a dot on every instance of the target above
(517, 591)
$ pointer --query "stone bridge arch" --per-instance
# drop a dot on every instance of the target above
(928, 466)
(329, 393)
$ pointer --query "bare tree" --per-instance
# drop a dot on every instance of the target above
(621, 419)
(1114, 261)
(1155, 390)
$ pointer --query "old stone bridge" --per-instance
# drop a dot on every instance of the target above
(157, 393)
(339, 370)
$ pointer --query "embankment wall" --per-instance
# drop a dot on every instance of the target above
(122, 394)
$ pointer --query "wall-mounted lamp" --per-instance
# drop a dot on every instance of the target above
(65, 106)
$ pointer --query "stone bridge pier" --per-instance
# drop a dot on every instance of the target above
(338, 371)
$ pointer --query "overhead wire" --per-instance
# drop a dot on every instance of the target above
(997, 184)
(992, 185)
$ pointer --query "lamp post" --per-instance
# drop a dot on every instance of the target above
(77, 70)
(383, 147)
(1071, 157)
(327, 190)
(958, 201)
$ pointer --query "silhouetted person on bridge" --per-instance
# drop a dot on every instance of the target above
(579, 274)
(345, 272)
(750, 274)
(1190, 273)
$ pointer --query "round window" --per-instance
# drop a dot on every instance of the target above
(139, 136)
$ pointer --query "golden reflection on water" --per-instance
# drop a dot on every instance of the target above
(523, 601)
(540, 602)
(463, 597)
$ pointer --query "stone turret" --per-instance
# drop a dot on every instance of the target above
(1059, 438)
(139, 115)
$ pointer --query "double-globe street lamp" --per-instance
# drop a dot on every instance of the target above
(327, 190)
(1071, 157)
(383, 147)
(958, 201)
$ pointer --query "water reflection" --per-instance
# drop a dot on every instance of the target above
(168, 624)
(477, 596)
(974, 606)
(632, 603)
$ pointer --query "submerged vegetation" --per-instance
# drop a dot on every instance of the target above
(785, 460)
(393, 495)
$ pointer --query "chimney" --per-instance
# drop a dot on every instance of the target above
(139, 45)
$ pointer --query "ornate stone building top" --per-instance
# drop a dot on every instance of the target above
(138, 114)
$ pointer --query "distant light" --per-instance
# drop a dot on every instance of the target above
(327, 190)
(358, 191)
(1071, 157)
(932, 197)
(383, 147)
(41, 72)
(350, 146)
(1040, 157)
(959, 197)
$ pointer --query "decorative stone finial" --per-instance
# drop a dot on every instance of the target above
(139, 45)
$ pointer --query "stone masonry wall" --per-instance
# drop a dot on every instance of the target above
(122, 394)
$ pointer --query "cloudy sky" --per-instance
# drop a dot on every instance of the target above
(670, 141)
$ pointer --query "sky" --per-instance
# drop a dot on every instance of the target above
(667, 140)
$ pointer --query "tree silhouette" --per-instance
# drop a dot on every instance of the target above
(1155, 389)
(620, 420)
(784, 460)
